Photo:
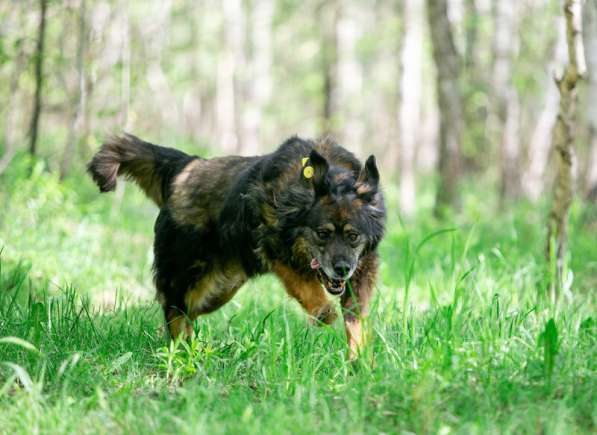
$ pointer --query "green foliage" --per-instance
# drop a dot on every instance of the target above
(549, 341)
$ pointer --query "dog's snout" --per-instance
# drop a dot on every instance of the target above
(341, 269)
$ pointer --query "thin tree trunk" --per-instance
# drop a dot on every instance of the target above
(76, 126)
(385, 124)
(39, 77)
(195, 108)
(10, 127)
(410, 104)
(230, 58)
(506, 98)
(590, 46)
(471, 33)
(329, 16)
(259, 84)
(125, 89)
(157, 79)
(125, 77)
(447, 63)
(563, 142)
(350, 76)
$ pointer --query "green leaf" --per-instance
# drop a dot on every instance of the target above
(549, 341)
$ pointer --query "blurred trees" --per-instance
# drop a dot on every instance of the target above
(411, 84)
(230, 66)
(447, 90)
(258, 84)
(589, 33)
(449, 99)
(505, 97)
(77, 126)
(564, 135)
(39, 76)
(539, 148)
(329, 15)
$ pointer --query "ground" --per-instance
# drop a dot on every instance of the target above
(463, 337)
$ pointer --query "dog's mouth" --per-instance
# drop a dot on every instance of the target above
(333, 286)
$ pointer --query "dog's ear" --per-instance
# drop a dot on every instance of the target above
(315, 171)
(368, 181)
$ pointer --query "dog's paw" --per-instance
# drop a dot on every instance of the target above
(325, 315)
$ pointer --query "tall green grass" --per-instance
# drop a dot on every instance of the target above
(463, 338)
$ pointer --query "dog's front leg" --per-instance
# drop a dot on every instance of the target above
(355, 304)
(308, 292)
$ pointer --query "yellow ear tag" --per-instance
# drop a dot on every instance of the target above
(305, 160)
(308, 172)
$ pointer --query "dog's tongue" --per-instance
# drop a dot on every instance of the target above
(315, 264)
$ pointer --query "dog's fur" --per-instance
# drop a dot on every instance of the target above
(308, 212)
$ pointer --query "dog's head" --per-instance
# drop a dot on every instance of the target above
(345, 221)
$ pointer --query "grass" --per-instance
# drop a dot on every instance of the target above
(463, 340)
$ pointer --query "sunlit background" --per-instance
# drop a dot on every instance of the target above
(233, 76)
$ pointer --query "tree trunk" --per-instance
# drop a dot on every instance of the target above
(506, 98)
(76, 127)
(125, 77)
(447, 63)
(39, 77)
(196, 107)
(590, 46)
(329, 17)
(383, 128)
(410, 104)
(563, 143)
(230, 58)
(10, 123)
(539, 148)
(471, 28)
(350, 76)
(259, 83)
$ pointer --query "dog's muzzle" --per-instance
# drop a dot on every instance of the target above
(333, 286)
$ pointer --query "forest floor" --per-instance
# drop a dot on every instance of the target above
(463, 338)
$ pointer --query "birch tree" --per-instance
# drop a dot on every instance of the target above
(76, 127)
(539, 147)
(590, 46)
(563, 144)
(410, 104)
(506, 98)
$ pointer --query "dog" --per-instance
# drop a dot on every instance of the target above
(309, 212)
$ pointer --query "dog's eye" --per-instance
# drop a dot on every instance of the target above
(323, 235)
(353, 237)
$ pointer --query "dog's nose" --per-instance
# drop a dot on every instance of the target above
(341, 269)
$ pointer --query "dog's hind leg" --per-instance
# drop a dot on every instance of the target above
(308, 292)
(209, 291)
(178, 323)
(355, 304)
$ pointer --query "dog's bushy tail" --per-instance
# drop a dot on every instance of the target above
(152, 167)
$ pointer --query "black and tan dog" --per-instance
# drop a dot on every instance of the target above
(308, 212)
